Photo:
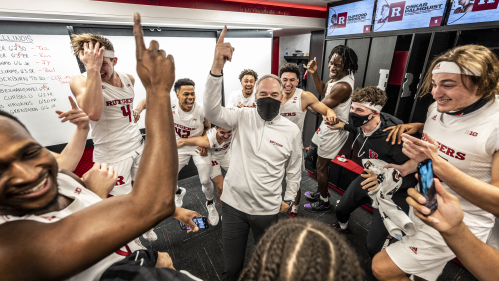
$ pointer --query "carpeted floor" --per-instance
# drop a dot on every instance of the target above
(200, 253)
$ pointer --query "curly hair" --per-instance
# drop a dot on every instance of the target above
(77, 41)
(12, 117)
(470, 57)
(350, 60)
(290, 67)
(183, 82)
(302, 249)
(248, 72)
(371, 94)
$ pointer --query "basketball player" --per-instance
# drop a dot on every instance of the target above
(189, 122)
(77, 233)
(294, 106)
(328, 142)
(263, 144)
(245, 97)
(217, 141)
(460, 137)
(107, 97)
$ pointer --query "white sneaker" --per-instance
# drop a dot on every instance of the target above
(137, 241)
(179, 198)
(212, 214)
(150, 235)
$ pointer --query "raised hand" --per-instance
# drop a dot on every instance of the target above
(155, 69)
(92, 56)
(74, 115)
(396, 131)
(312, 66)
(420, 150)
(136, 115)
(223, 53)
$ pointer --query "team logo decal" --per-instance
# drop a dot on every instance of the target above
(372, 154)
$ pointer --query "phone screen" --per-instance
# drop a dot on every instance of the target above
(200, 222)
(427, 184)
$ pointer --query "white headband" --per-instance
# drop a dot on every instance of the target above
(370, 106)
(452, 67)
(108, 54)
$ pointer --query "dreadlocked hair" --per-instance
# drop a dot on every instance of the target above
(349, 58)
(371, 94)
(289, 67)
(248, 72)
(183, 82)
(78, 40)
(302, 249)
(12, 117)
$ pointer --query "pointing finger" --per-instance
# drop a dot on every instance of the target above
(222, 35)
(73, 103)
(139, 35)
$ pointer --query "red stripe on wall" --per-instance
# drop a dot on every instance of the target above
(275, 55)
(398, 67)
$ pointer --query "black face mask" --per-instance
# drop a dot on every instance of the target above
(359, 120)
(268, 108)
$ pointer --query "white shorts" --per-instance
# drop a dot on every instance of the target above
(424, 254)
(183, 159)
(329, 142)
(216, 163)
(126, 169)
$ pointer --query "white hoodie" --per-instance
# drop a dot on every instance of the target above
(260, 151)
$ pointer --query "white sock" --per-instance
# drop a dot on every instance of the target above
(324, 199)
(343, 225)
(294, 209)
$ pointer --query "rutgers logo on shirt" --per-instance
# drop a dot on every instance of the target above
(373, 155)
(449, 151)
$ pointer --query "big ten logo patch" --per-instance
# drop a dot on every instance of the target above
(396, 11)
(471, 133)
(342, 20)
(482, 5)
(120, 181)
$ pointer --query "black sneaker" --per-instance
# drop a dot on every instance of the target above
(314, 196)
(319, 207)
(338, 228)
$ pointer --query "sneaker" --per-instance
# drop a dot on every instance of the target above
(150, 235)
(212, 214)
(137, 241)
(337, 226)
(319, 207)
(179, 198)
(293, 215)
(314, 196)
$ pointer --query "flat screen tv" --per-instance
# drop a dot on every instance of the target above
(350, 18)
(409, 14)
(472, 11)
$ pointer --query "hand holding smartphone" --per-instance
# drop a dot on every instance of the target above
(427, 184)
(201, 222)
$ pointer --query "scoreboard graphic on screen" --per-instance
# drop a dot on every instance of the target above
(396, 14)
(350, 18)
(469, 11)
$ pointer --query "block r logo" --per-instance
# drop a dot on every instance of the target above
(396, 11)
(342, 20)
(367, 29)
(482, 5)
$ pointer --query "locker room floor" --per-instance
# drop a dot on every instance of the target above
(200, 253)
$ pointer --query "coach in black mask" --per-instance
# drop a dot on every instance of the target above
(263, 144)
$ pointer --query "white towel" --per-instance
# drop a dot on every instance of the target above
(395, 219)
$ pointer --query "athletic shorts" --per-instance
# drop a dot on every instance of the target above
(424, 254)
(329, 142)
(183, 159)
(126, 169)
(217, 163)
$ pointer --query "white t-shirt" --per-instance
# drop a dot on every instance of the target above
(187, 124)
(217, 150)
(237, 97)
(293, 111)
(82, 198)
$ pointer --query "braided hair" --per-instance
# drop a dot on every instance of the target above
(302, 249)
(349, 58)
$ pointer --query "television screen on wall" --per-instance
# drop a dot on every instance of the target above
(351, 18)
(397, 15)
(469, 11)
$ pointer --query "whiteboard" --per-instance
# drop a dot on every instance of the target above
(193, 59)
(252, 53)
(35, 71)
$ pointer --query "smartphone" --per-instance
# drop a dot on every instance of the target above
(201, 222)
(427, 184)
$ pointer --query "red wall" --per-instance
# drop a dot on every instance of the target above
(275, 55)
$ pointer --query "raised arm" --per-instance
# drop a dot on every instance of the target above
(320, 87)
(88, 90)
(69, 158)
(99, 230)
(311, 102)
(140, 107)
(213, 110)
(194, 141)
